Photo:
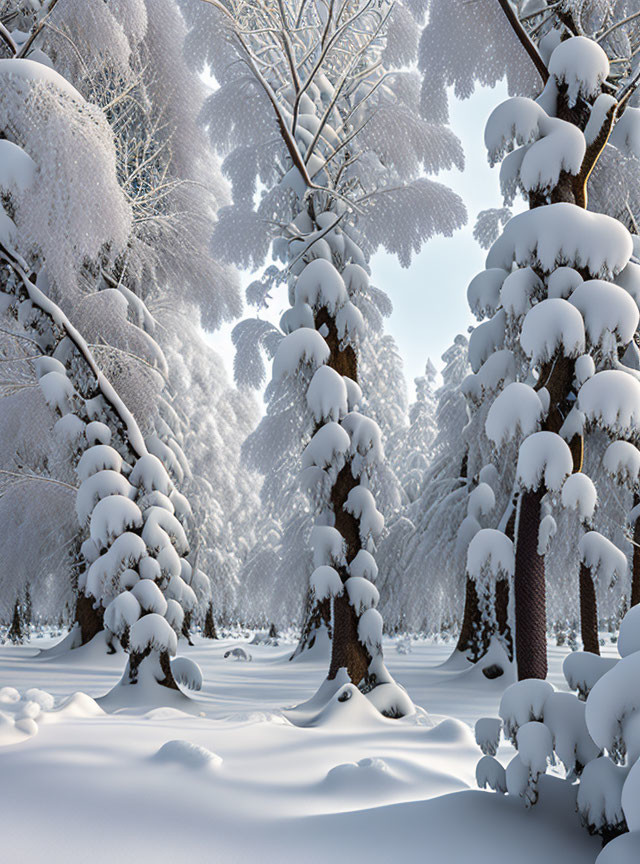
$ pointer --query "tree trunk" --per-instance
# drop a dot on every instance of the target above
(470, 622)
(588, 611)
(209, 629)
(89, 620)
(346, 649)
(530, 591)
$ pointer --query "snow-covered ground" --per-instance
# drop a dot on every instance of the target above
(243, 781)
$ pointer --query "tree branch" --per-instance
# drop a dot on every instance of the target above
(524, 40)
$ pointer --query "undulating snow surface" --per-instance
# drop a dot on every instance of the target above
(230, 776)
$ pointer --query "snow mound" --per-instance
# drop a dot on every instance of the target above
(345, 708)
(563, 234)
(22, 714)
(623, 850)
(359, 776)
(629, 636)
(78, 705)
(544, 456)
(188, 755)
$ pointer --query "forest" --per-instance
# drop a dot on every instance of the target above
(263, 596)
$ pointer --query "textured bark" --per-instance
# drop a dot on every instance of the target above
(89, 620)
(346, 649)
(470, 621)
(588, 611)
(530, 591)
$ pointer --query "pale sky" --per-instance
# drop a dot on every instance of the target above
(430, 297)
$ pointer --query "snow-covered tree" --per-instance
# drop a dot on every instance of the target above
(141, 310)
(556, 143)
(133, 564)
(412, 446)
(309, 102)
(423, 589)
(592, 741)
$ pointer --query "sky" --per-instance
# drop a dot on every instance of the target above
(429, 297)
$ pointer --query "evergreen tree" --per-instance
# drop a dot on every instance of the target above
(338, 183)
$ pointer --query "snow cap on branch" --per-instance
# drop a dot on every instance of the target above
(544, 458)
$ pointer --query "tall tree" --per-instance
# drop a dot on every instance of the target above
(325, 92)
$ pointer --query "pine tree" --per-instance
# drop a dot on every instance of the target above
(209, 629)
(16, 630)
(338, 183)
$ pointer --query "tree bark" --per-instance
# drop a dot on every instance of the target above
(588, 611)
(467, 641)
(89, 620)
(346, 649)
(530, 591)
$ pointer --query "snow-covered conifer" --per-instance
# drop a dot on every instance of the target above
(317, 125)
(568, 307)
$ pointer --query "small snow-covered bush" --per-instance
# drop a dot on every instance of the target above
(597, 741)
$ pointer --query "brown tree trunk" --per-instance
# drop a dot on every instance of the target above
(588, 611)
(89, 620)
(346, 649)
(530, 591)
(467, 641)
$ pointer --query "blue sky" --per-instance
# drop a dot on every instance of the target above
(430, 297)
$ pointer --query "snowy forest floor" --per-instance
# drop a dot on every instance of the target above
(354, 787)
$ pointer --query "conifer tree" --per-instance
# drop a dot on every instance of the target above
(339, 182)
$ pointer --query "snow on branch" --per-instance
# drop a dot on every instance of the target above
(490, 552)
(611, 398)
(563, 234)
(516, 411)
(545, 459)
(551, 327)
